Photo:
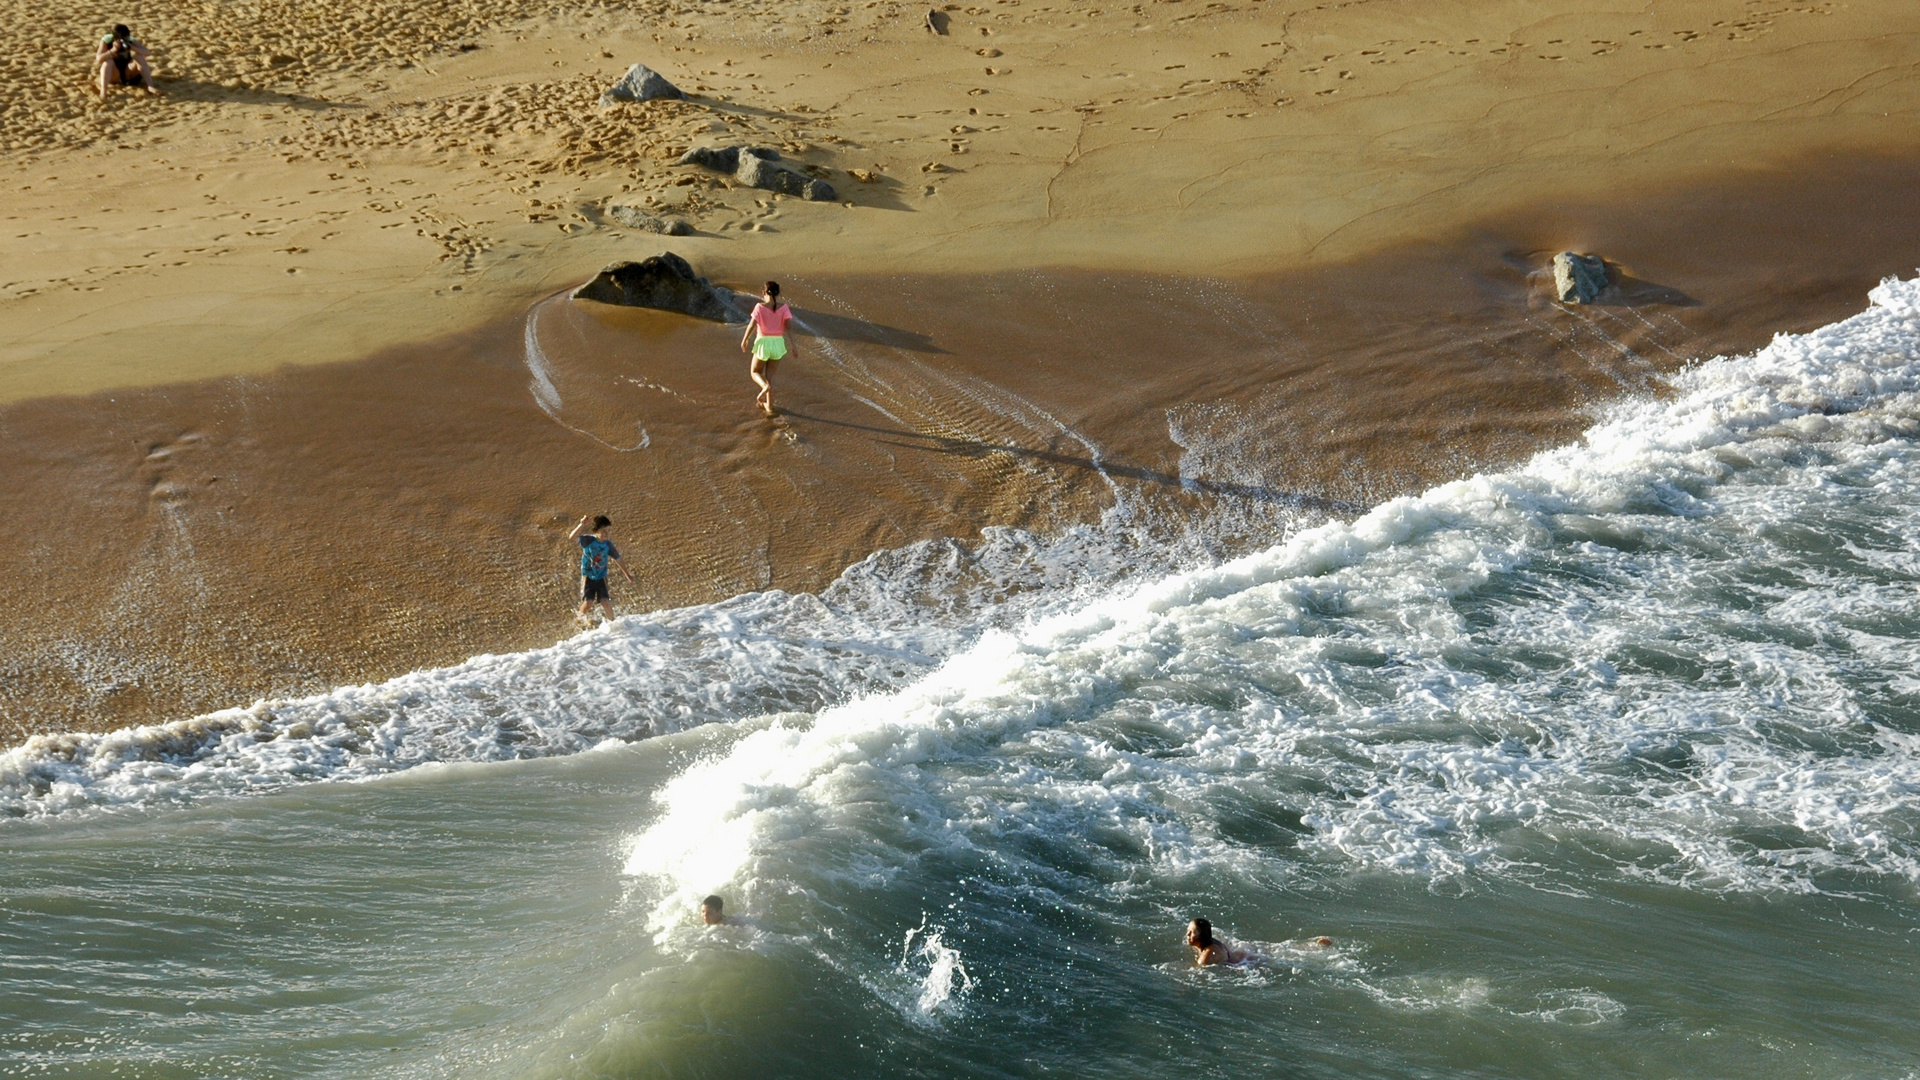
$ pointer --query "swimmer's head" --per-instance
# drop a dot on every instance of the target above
(1199, 933)
(710, 911)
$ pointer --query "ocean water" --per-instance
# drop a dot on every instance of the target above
(1604, 765)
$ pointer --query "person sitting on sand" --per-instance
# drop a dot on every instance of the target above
(596, 547)
(769, 323)
(1209, 950)
(710, 912)
(122, 61)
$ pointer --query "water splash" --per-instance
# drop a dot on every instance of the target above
(939, 968)
(546, 394)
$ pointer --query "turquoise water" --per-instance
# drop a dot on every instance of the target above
(1606, 765)
(467, 922)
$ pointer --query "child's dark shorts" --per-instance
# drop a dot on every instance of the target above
(592, 589)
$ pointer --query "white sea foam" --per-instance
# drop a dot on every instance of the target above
(938, 968)
(884, 621)
(546, 393)
(1474, 994)
(1680, 649)
(1611, 647)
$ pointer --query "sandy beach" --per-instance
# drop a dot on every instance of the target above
(265, 339)
(1190, 498)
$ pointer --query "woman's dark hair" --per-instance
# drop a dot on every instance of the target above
(120, 31)
(601, 522)
(773, 290)
(1205, 930)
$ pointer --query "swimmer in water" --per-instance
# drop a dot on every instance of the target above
(710, 912)
(1209, 950)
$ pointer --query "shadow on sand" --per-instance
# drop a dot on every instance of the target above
(973, 448)
(1625, 291)
(184, 89)
(841, 328)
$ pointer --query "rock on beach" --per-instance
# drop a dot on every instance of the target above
(1578, 279)
(640, 83)
(759, 167)
(664, 281)
(773, 176)
(724, 159)
(634, 217)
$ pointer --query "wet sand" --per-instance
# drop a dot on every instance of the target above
(179, 548)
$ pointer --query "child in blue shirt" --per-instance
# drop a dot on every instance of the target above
(596, 548)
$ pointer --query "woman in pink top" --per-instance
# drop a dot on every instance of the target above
(767, 333)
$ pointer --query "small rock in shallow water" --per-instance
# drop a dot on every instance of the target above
(1578, 279)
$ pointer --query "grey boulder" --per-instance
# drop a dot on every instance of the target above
(640, 83)
(666, 282)
(1578, 279)
(724, 159)
(757, 166)
(775, 177)
(633, 217)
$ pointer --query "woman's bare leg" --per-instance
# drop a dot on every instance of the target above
(763, 377)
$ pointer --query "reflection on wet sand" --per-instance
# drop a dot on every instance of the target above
(182, 548)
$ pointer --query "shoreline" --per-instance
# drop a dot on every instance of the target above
(262, 341)
(336, 524)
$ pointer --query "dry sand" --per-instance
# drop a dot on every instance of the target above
(1312, 234)
(326, 179)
